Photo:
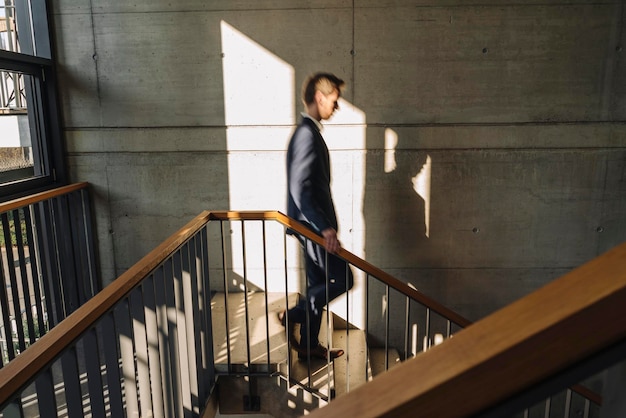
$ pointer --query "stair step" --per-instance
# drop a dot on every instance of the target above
(263, 329)
(377, 360)
(276, 398)
(352, 368)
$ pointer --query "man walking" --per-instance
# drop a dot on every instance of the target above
(309, 201)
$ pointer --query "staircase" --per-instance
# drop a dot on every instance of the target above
(263, 376)
(156, 340)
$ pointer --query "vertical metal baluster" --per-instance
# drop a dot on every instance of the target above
(253, 400)
(448, 328)
(66, 260)
(79, 247)
(427, 332)
(546, 413)
(587, 408)
(267, 313)
(245, 293)
(6, 317)
(367, 314)
(226, 316)
(44, 386)
(209, 359)
(407, 326)
(139, 335)
(71, 383)
(168, 380)
(182, 331)
(23, 276)
(152, 334)
(307, 320)
(192, 319)
(94, 376)
(110, 335)
(568, 402)
(328, 336)
(387, 309)
(289, 355)
(14, 288)
(48, 264)
(124, 326)
(170, 270)
(347, 327)
(56, 236)
(34, 270)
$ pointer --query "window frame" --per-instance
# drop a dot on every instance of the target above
(35, 60)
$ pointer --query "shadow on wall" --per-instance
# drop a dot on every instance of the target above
(397, 216)
(397, 205)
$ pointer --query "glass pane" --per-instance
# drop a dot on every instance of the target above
(8, 27)
(17, 160)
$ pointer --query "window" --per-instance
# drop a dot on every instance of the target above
(30, 145)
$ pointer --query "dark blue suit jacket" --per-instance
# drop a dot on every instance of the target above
(308, 178)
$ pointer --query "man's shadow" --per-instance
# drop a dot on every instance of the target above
(396, 216)
(395, 212)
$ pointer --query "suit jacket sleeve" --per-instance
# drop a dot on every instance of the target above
(309, 178)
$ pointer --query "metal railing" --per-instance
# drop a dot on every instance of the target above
(140, 347)
(47, 264)
(149, 344)
(425, 322)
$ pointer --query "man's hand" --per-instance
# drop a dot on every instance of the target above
(331, 243)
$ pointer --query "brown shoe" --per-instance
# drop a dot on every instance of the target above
(320, 352)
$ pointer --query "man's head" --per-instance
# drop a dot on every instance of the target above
(320, 93)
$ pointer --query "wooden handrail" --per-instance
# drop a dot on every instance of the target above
(39, 197)
(508, 352)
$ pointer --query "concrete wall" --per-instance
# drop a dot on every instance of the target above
(479, 152)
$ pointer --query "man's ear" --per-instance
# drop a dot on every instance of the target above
(318, 96)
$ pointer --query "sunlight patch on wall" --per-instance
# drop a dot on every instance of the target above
(258, 85)
(259, 100)
(391, 142)
(421, 185)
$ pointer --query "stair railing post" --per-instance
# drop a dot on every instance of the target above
(287, 336)
(328, 336)
(347, 278)
(225, 281)
(267, 322)
(387, 309)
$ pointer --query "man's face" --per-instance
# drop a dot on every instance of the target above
(327, 103)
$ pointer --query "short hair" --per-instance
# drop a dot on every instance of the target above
(324, 82)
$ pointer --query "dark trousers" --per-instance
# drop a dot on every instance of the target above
(340, 280)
